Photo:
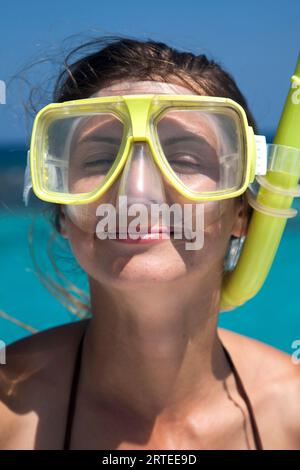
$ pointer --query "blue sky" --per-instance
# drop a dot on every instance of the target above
(258, 42)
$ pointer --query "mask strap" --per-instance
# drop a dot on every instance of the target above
(27, 181)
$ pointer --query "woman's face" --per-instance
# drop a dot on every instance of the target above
(123, 262)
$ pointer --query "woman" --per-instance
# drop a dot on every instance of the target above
(150, 369)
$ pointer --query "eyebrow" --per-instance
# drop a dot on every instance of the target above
(99, 138)
(176, 140)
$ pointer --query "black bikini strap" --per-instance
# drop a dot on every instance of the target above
(73, 396)
(243, 393)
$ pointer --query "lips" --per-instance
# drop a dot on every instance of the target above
(145, 235)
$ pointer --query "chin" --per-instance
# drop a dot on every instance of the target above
(140, 269)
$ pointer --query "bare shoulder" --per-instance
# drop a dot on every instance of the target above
(272, 380)
(31, 356)
(37, 370)
(265, 360)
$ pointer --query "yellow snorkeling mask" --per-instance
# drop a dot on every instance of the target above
(203, 146)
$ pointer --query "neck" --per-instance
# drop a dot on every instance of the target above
(153, 350)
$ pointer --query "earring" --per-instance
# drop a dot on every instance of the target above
(233, 253)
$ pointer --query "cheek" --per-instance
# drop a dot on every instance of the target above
(81, 242)
(218, 221)
(84, 216)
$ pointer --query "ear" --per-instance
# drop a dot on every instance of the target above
(240, 226)
(63, 222)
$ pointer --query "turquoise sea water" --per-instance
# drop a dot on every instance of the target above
(273, 316)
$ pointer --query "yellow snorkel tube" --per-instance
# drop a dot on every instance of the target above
(271, 203)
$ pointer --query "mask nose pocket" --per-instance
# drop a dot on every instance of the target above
(141, 180)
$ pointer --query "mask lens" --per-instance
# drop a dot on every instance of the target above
(81, 151)
(204, 148)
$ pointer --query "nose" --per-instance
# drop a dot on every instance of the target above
(141, 180)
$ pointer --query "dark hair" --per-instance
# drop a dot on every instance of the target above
(111, 59)
(118, 58)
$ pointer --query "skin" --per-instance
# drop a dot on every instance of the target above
(154, 374)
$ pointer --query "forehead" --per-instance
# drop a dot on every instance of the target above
(126, 87)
